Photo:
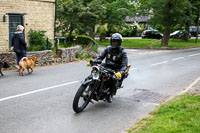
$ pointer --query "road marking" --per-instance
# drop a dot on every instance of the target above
(179, 58)
(56, 86)
(159, 63)
(193, 55)
(190, 86)
(36, 91)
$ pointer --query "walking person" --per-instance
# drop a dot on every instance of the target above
(18, 44)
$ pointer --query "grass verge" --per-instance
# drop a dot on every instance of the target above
(133, 43)
(179, 115)
(178, 44)
(155, 44)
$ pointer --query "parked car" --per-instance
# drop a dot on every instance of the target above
(151, 34)
(193, 30)
(178, 34)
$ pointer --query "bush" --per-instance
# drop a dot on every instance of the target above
(126, 32)
(134, 31)
(112, 29)
(102, 32)
(160, 28)
(92, 47)
(140, 29)
(35, 48)
(66, 44)
(85, 40)
(88, 53)
(82, 55)
(38, 41)
(70, 38)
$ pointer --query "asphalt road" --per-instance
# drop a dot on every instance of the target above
(42, 102)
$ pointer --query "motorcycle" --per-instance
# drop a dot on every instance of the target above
(96, 86)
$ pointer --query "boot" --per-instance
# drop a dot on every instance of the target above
(110, 99)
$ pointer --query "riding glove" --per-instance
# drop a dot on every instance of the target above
(88, 64)
(118, 74)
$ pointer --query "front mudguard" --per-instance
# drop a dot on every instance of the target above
(87, 81)
(90, 81)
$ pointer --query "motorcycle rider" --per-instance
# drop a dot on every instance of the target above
(116, 59)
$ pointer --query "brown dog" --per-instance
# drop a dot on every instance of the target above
(27, 63)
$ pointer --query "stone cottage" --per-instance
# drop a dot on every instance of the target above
(32, 14)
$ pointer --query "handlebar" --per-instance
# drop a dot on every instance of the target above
(103, 69)
(94, 62)
(108, 69)
(97, 63)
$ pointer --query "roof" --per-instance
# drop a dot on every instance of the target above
(137, 19)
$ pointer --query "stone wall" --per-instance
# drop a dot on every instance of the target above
(44, 57)
(37, 15)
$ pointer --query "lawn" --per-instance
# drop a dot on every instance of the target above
(178, 43)
(155, 44)
(179, 115)
(133, 43)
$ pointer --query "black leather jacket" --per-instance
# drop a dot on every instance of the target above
(116, 58)
(18, 41)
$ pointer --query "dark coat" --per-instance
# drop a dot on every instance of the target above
(116, 58)
(18, 41)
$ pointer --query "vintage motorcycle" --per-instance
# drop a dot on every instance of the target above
(96, 86)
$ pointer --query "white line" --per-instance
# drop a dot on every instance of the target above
(179, 58)
(191, 85)
(159, 63)
(35, 91)
(193, 55)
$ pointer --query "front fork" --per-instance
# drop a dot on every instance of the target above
(93, 85)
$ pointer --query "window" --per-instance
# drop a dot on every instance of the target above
(14, 21)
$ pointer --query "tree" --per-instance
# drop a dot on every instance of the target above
(186, 11)
(78, 15)
(116, 11)
(193, 15)
(169, 13)
(67, 15)
(82, 15)
(196, 14)
(92, 14)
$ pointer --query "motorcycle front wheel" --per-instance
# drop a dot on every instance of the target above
(82, 98)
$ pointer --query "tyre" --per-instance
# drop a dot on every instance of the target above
(82, 98)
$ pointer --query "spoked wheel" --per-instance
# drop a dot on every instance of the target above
(82, 98)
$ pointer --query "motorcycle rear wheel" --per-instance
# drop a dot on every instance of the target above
(84, 95)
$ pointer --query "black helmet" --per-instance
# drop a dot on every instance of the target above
(116, 37)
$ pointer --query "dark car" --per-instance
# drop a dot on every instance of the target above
(178, 34)
(151, 34)
(193, 30)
